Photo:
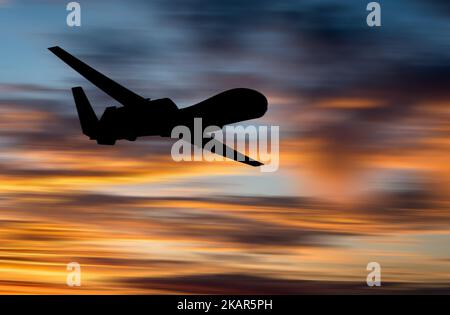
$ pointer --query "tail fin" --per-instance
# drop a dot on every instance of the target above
(86, 114)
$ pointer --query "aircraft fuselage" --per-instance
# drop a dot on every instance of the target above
(159, 117)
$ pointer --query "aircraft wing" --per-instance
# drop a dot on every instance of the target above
(231, 153)
(110, 87)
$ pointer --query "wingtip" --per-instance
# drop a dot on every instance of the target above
(53, 48)
(254, 163)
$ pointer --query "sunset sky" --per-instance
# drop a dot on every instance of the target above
(364, 176)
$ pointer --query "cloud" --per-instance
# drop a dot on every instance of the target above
(246, 284)
(26, 88)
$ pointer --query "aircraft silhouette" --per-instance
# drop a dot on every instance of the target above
(144, 117)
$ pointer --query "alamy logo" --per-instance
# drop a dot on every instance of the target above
(74, 275)
(215, 144)
(374, 277)
(374, 17)
(74, 17)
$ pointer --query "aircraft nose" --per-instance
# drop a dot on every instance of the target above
(261, 102)
(255, 101)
